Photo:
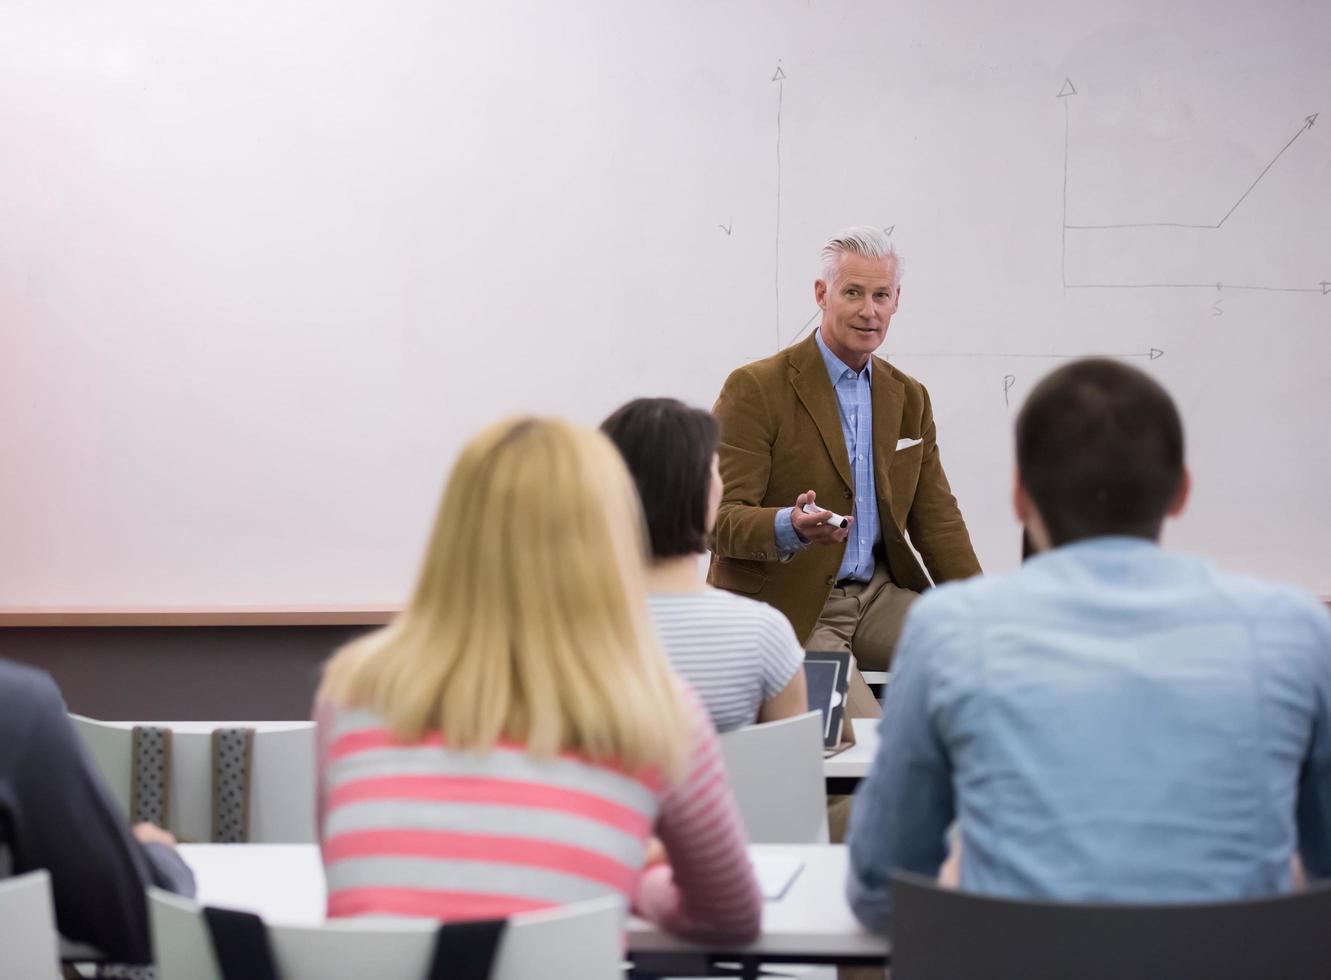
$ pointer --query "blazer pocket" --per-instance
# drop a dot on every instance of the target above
(731, 575)
(903, 473)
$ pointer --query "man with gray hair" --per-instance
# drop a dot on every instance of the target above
(824, 428)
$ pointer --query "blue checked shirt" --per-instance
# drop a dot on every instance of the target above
(852, 395)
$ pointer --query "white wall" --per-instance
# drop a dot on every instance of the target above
(264, 266)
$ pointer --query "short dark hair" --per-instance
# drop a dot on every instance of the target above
(1100, 451)
(668, 447)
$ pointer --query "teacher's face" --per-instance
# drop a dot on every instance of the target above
(857, 307)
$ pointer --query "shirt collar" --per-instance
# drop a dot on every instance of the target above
(836, 369)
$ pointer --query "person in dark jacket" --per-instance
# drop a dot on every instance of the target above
(56, 814)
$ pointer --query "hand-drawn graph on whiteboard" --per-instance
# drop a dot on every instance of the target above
(779, 78)
(1193, 230)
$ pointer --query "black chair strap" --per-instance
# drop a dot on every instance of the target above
(466, 950)
(240, 943)
(462, 950)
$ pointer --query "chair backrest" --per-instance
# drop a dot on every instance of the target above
(939, 933)
(282, 775)
(29, 944)
(776, 771)
(577, 942)
(112, 750)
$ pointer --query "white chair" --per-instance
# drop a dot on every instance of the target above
(776, 771)
(282, 775)
(29, 944)
(577, 942)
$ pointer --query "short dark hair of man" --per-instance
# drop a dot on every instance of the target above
(1100, 451)
(668, 447)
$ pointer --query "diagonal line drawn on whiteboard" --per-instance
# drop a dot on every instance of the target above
(1065, 95)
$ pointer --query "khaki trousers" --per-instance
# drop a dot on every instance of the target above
(863, 619)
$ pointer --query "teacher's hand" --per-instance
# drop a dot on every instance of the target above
(810, 527)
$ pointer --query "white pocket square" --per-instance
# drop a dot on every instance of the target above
(907, 443)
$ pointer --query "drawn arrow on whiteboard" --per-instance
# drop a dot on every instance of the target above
(1308, 123)
(1323, 287)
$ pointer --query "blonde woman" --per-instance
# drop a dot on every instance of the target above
(515, 737)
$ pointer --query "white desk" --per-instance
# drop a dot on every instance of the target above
(285, 884)
(811, 920)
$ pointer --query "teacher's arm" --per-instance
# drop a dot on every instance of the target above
(745, 528)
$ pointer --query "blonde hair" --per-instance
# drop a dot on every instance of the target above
(529, 621)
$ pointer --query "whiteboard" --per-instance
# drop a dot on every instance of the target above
(264, 267)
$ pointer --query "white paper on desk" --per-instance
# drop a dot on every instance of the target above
(775, 873)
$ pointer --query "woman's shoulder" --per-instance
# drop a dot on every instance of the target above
(719, 602)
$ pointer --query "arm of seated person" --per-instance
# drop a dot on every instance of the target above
(902, 810)
(708, 891)
(166, 868)
(785, 690)
(791, 700)
(71, 828)
(1313, 812)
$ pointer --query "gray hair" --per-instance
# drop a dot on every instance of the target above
(865, 241)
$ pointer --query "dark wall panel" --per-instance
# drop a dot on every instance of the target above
(187, 673)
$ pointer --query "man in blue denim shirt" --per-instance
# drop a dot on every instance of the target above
(1112, 722)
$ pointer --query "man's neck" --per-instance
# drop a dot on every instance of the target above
(848, 358)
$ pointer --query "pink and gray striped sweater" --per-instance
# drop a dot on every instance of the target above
(417, 829)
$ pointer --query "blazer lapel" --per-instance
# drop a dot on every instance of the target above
(889, 398)
(809, 378)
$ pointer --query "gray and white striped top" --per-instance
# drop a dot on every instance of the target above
(736, 652)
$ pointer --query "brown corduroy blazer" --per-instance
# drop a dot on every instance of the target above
(781, 435)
